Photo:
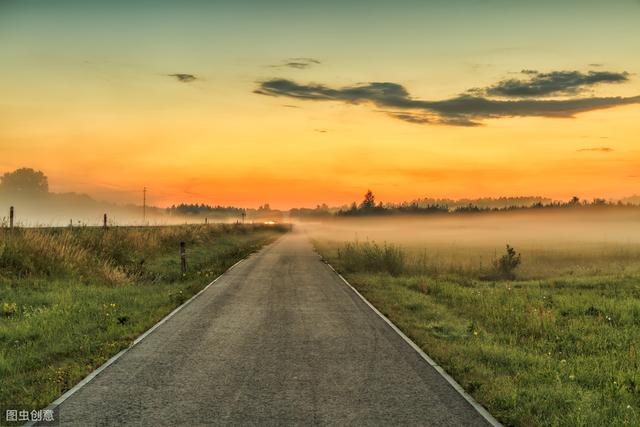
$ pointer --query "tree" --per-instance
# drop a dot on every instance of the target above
(369, 201)
(24, 181)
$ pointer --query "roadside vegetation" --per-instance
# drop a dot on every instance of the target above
(70, 298)
(541, 336)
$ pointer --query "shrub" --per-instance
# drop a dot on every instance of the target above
(505, 266)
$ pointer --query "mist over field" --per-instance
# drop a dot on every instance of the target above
(486, 229)
(557, 243)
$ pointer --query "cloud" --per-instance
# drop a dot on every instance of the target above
(184, 78)
(555, 83)
(599, 149)
(298, 63)
(463, 110)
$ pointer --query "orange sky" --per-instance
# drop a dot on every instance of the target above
(101, 115)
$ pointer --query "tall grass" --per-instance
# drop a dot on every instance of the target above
(116, 255)
(474, 261)
(369, 256)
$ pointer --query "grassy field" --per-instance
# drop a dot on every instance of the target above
(557, 346)
(72, 298)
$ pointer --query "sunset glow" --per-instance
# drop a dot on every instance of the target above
(162, 94)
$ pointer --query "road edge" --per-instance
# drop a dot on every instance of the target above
(86, 380)
(456, 386)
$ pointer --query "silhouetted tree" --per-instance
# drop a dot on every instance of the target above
(24, 181)
(369, 201)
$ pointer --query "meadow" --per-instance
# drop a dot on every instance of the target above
(555, 345)
(70, 298)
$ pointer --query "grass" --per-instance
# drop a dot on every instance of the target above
(556, 347)
(72, 298)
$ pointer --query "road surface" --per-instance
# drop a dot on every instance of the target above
(278, 340)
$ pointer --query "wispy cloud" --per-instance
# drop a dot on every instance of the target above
(597, 149)
(184, 78)
(555, 83)
(463, 110)
(298, 63)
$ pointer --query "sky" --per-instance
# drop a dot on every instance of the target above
(296, 103)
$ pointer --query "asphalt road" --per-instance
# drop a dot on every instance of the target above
(278, 340)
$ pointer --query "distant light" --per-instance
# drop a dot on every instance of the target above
(269, 222)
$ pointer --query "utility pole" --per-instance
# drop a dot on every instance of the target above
(144, 204)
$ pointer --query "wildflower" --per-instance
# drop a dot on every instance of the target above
(563, 361)
(475, 333)
(572, 377)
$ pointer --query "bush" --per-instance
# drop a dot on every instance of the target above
(371, 258)
(505, 266)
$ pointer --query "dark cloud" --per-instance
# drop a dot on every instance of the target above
(419, 119)
(555, 83)
(184, 78)
(600, 149)
(298, 63)
(422, 119)
(463, 110)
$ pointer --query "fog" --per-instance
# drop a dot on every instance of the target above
(533, 226)
(56, 210)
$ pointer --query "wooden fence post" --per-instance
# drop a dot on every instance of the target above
(11, 217)
(104, 221)
(183, 258)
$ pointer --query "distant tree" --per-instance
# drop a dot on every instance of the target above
(369, 201)
(24, 181)
(574, 200)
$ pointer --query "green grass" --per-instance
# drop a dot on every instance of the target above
(72, 298)
(557, 350)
